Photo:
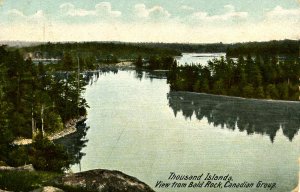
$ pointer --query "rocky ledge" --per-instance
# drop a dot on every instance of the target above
(70, 127)
(104, 180)
(21, 168)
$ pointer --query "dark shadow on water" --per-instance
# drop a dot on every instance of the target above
(74, 143)
(150, 74)
(250, 115)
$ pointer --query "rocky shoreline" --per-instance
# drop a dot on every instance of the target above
(70, 127)
(98, 180)
(21, 168)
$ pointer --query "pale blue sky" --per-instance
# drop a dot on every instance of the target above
(196, 21)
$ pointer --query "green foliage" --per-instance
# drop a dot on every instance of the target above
(139, 62)
(197, 86)
(53, 122)
(6, 134)
(161, 63)
(253, 78)
(259, 93)
(271, 48)
(91, 54)
(34, 99)
(271, 91)
(47, 156)
(26, 181)
(18, 156)
(67, 63)
(248, 91)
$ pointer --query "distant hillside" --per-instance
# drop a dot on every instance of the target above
(133, 50)
(19, 43)
(99, 50)
(190, 47)
(284, 47)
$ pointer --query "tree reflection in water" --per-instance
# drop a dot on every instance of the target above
(74, 143)
(250, 115)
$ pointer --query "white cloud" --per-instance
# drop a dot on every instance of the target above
(69, 9)
(137, 32)
(105, 7)
(16, 14)
(281, 14)
(101, 9)
(67, 6)
(230, 8)
(140, 10)
(156, 12)
(207, 30)
(22, 26)
(230, 14)
(187, 8)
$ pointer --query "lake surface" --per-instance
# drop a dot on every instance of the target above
(197, 58)
(137, 126)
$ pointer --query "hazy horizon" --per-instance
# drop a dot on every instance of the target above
(140, 42)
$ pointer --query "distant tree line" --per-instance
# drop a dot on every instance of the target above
(98, 51)
(93, 53)
(261, 77)
(271, 48)
(108, 50)
(285, 48)
(189, 47)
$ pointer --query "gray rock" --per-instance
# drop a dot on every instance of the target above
(48, 189)
(104, 180)
(4, 191)
(21, 168)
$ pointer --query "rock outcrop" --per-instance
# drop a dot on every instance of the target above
(4, 191)
(70, 127)
(48, 189)
(104, 180)
(22, 168)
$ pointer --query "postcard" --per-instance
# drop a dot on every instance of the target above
(150, 95)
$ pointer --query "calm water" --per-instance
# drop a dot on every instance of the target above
(139, 127)
(197, 58)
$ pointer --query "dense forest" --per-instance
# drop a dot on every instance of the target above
(190, 47)
(104, 51)
(35, 102)
(98, 51)
(155, 63)
(285, 48)
(259, 77)
(271, 48)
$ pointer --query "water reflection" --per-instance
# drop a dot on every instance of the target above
(91, 77)
(74, 143)
(197, 58)
(253, 116)
(149, 74)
